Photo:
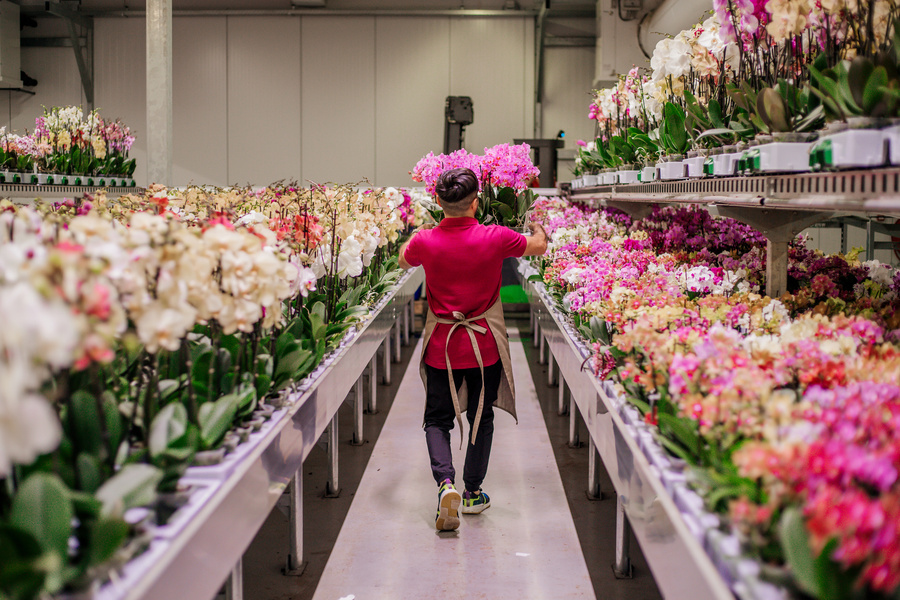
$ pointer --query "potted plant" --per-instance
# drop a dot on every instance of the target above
(673, 137)
(859, 93)
(791, 115)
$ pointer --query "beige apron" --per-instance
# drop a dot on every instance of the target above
(506, 395)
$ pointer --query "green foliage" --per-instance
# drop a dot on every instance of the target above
(787, 108)
(673, 135)
(862, 87)
(818, 576)
(504, 206)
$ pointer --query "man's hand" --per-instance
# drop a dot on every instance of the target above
(403, 263)
(537, 241)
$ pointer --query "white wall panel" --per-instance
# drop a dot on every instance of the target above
(338, 94)
(491, 62)
(120, 80)
(411, 84)
(568, 76)
(263, 99)
(200, 101)
(59, 84)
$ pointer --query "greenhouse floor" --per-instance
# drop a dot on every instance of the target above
(377, 539)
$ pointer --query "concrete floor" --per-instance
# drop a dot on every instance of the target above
(594, 521)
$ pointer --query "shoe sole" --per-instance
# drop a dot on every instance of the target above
(448, 511)
(474, 510)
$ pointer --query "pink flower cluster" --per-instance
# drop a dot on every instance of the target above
(814, 396)
(503, 165)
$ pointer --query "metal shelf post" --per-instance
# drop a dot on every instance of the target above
(333, 485)
(574, 441)
(234, 585)
(622, 566)
(551, 370)
(386, 373)
(372, 406)
(358, 406)
(593, 490)
(295, 563)
(563, 407)
(396, 331)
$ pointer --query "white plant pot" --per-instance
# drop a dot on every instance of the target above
(608, 178)
(628, 176)
(648, 174)
(849, 148)
(892, 137)
(31, 178)
(45, 178)
(781, 157)
(575, 183)
(671, 170)
(590, 180)
(724, 165)
(693, 167)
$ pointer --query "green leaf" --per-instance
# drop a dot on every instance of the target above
(86, 433)
(135, 485)
(42, 508)
(168, 425)
(771, 107)
(873, 93)
(105, 537)
(216, 419)
(90, 472)
(795, 542)
(683, 431)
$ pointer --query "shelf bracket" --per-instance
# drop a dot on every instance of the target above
(780, 227)
(635, 210)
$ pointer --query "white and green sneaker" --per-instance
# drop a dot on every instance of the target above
(475, 502)
(447, 518)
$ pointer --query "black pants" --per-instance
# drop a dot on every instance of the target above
(440, 418)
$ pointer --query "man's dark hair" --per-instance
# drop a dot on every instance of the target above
(454, 187)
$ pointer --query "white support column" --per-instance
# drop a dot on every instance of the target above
(333, 485)
(622, 566)
(398, 324)
(234, 585)
(551, 369)
(295, 564)
(562, 407)
(358, 406)
(159, 92)
(372, 405)
(386, 374)
(593, 491)
(574, 439)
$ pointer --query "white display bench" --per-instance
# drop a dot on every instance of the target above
(689, 553)
(203, 550)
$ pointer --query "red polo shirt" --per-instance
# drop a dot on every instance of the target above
(463, 261)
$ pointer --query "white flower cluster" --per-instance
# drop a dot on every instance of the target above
(71, 285)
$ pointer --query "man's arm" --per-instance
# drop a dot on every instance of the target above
(403, 263)
(537, 241)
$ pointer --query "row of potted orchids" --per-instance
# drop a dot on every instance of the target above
(68, 147)
(155, 333)
(758, 87)
(784, 413)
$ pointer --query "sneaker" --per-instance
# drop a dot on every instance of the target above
(474, 503)
(447, 518)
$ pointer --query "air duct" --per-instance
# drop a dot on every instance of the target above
(669, 18)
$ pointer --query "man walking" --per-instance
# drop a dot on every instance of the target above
(465, 347)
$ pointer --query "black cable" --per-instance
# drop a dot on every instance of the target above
(640, 26)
